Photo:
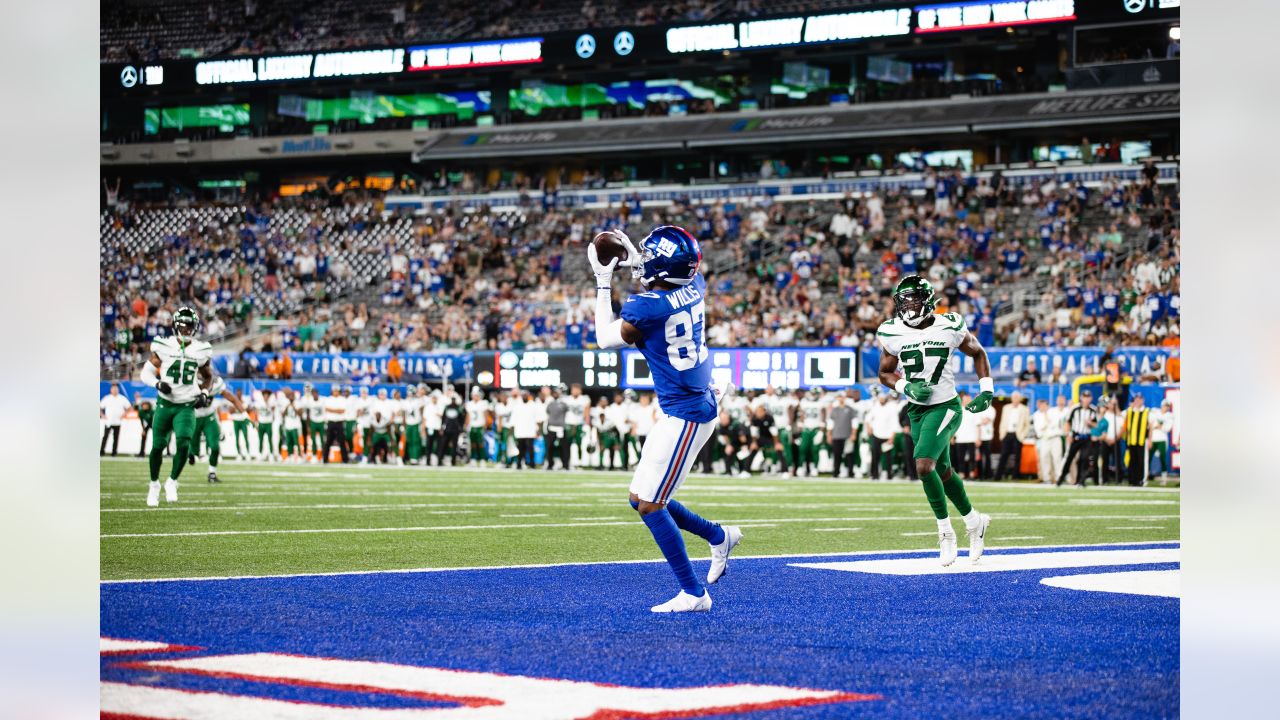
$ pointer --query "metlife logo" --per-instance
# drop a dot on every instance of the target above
(1136, 6)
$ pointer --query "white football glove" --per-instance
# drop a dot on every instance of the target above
(603, 272)
(633, 259)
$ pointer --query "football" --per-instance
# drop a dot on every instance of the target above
(609, 246)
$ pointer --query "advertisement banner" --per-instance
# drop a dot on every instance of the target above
(354, 367)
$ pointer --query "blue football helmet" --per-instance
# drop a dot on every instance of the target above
(668, 253)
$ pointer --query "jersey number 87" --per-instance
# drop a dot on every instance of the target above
(683, 349)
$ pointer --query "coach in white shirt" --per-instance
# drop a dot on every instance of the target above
(882, 418)
(113, 407)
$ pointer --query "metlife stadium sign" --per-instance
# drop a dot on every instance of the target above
(781, 32)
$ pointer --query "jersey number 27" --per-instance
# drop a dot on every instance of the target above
(683, 349)
(913, 363)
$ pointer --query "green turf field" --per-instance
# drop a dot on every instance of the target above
(279, 519)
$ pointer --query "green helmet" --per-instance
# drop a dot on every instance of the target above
(185, 323)
(913, 300)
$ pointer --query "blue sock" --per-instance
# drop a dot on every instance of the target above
(691, 521)
(669, 540)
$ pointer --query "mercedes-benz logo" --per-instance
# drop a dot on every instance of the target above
(1135, 6)
(129, 76)
(585, 45)
(624, 42)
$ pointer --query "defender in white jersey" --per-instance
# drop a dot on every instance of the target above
(179, 370)
(923, 343)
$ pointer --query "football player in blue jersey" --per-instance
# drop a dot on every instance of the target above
(666, 323)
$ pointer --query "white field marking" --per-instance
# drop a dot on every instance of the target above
(918, 534)
(483, 696)
(523, 526)
(1020, 537)
(1137, 527)
(397, 473)
(1004, 562)
(115, 646)
(932, 553)
(836, 529)
(587, 519)
(1109, 501)
(525, 515)
(1160, 583)
(286, 506)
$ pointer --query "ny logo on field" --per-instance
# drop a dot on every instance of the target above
(472, 695)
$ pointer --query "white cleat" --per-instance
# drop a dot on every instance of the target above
(977, 537)
(684, 602)
(170, 490)
(946, 547)
(153, 494)
(720, 553)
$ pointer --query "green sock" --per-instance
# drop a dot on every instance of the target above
(213, 459)
(155, 458)
(933, 490)
(955, 490)
(180, 454)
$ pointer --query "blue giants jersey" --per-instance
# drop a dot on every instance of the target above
(673, 324)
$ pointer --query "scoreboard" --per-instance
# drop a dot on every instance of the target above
(748, 368)
(512, 369)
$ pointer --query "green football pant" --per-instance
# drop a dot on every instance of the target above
(289, 442)
(413, 442)
(366, 435)
(932, 427)
(507, 441)
(349, 430)
(208, 427)
(382, 439)
(808, 447)
(241, 429)
(266, 437)
(180, 420)
(476, 437)
(1161, 448)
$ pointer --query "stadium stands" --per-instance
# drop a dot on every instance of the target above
(1051, 264)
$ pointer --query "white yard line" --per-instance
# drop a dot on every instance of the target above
(517, 526)
(856, 553)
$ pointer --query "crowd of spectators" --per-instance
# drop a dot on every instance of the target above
(1045, 264)
(152, 31)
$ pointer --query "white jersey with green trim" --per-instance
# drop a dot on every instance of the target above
(179, 364)
(477, 413)
(577, 409)
(215, 391)
(926, 353)
(811, 412)
(412, 410)
(292, 417)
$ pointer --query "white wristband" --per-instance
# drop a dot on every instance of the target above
(986, 384)
(901, 386)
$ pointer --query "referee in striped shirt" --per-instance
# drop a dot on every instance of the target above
(1137, 439)
(1079, 423)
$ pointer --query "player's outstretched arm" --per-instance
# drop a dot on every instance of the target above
(611, 332)
(982, 366)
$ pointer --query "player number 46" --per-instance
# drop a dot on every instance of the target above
(913, 363)
(683, 349)
(182, 372)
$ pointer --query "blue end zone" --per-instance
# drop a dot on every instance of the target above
(996, 644)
